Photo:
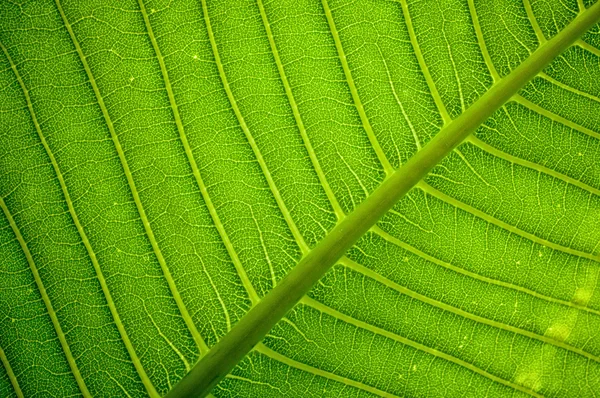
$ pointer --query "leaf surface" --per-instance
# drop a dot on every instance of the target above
(164, 164)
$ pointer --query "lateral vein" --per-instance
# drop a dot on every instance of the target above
(504, 225)
(242, 122)
(200, 182)
(531, 165)
(387, 167)
(84, 238)
(421, 347)
(129, 176)
(11, 375)
(462, 313)
(288, 91)
(46, 299)
(552, 116)
(423, 65)
(263, 349)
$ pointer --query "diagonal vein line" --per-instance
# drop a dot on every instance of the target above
(388, 168)
(465, 314)
(552, 116)
(11, 375)
(345, 261)
(281, 204)
(134, 191)
(531, 165)
(99, 274)
(403, 340)
(365, 271)
(242, 122)
(46, 299)
(288, 91)
(423, 65)
(201, 186)
(534, 23)
(496, 152)
(292, 288)
(395, 241)
(493, 220)
(263, 349)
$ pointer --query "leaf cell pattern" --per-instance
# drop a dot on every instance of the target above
(164, 163)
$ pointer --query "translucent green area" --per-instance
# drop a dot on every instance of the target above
(163, 164)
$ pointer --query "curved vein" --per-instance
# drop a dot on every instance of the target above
(201, 186)
(129, 176)
(242, 122)
(504, 225)
(263, 349)
(355, 97)
(552, 116)
(397, 242)
(403, 340)
(531, 165)
(84, 238)
(480, 40)
(423, 65)
(465, 314)
(46, 299)
(568, 88)
(298, 118)
(534, 23)
(11, 375)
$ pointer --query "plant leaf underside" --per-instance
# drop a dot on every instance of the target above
(165, 164)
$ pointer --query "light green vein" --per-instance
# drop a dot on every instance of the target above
(499, 223)
(46, 299)
(298, 118)
(11, 375)
(199, 181)
(403, 340)
(423, 65)
(272, 186)
(388, 283)
(388, 168)
(552, 116)
(465, 314)
(395, 241)
(513, 159)
(369, 273)
(531, 165)
(105, 290)
(242, 122)
(568, 88)
(263, 349)
(536, 27)
(134, 191)
(484, 51)
(588, 47)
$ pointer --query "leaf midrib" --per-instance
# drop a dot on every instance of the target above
(506, 86)
(176, 117)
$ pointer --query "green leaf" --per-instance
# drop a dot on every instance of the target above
(165, 164)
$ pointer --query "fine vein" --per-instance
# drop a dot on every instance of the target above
(84, 238)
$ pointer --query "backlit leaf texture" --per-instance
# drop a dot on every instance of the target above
(164, 163)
